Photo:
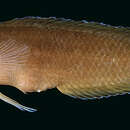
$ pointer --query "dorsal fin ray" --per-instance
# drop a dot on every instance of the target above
(60, 23)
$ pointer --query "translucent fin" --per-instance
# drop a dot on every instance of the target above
(84, 92)
(16, 104)
(55, 23)
(13, 54)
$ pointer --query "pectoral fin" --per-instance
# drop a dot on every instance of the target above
(16, 104)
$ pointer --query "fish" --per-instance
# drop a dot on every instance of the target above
(84, 60)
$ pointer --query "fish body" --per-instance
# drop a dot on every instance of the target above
(81, 59)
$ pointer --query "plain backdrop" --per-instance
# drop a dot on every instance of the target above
(55, 110)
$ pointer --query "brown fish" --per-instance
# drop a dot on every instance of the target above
(81, 59)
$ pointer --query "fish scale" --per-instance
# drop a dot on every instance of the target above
(85, 60)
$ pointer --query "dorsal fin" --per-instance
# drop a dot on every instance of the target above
(60, 23)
